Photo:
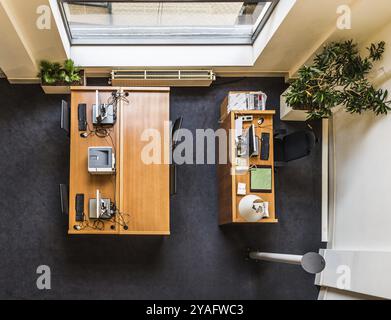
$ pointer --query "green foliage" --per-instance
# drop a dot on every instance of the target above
(338, 76)
(55, 73)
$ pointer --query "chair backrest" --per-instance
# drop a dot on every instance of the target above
(173, 179)
(65, 117)
(174, 141)
(64, 198)
(298, 145)
(175, 132)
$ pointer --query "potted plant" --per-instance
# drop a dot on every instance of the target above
(57, 78)
(338, 77)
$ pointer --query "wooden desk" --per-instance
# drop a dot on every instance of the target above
(140, 190)
(228, 198)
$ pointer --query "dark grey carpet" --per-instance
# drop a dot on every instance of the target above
(198, 261)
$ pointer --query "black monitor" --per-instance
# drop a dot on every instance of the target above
(252, 140)
(175, 131)
(64, 197)
(65, 116)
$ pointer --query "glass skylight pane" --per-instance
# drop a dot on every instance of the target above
(164, 22)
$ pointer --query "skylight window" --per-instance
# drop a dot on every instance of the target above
(164, 22)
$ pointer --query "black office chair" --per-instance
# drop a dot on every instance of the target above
(64, 198)
(65, 117)
(293, 146)
(174, 142)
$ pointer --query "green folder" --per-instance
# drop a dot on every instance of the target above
(261, 179)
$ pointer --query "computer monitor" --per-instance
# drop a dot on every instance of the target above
(252, 142)
(175, 131)
(100, 208)
(64, 194)
(98, 204)
(102, 114)
(65, 116)
(97, 102)
(101, 109)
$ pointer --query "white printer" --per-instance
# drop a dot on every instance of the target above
(101, 160)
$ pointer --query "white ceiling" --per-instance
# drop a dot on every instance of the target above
(311, 23)
(305, 28)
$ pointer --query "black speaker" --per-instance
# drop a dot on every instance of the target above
(82, 116)
(80, 207)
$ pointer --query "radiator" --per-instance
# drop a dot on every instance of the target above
(159, 78)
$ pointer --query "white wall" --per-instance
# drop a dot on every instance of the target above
(22, 37)
(22, 43)
(336, 294)
(363, 171)
(15, 59)
(357, 271)
(296, 29)
(318, 25)
(162, 56)
(362, 184)
(363, 181)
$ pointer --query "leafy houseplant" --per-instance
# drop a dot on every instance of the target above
(338, 76)
(50, 72)
(60, 76)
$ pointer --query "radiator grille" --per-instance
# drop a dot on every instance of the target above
(176, 78)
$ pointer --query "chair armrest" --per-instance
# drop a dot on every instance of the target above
(279, 164)
(279, 132)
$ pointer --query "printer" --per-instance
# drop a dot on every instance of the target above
(101, 160)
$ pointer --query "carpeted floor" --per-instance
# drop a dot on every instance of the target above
(200, 260)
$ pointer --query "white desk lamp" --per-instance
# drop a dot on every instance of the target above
(251, 208)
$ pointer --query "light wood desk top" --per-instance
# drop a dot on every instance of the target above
(140, 190)
(144, 189)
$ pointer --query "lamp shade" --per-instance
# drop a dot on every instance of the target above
(249, 210)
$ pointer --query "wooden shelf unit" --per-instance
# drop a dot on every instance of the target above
(228, 198)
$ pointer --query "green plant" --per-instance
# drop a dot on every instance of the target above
(49, 72)
(70, 72)
(52, 73)
(338, 76)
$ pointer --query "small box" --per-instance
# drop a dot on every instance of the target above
(101, 160)
(241, 189)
